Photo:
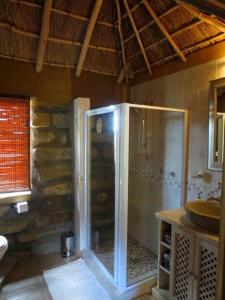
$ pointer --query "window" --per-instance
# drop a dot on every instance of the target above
(14, 145)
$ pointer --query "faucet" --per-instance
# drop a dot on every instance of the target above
(198, 175)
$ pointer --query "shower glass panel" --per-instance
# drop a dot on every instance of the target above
(154, 183)
(101, 188)
(136, 165)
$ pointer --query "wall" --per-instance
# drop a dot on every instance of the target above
(51, 205)
(155, 171)
(189, 89)
(59, 85)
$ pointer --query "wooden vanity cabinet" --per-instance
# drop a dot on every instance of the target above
(205, 270)
(193, 261)
(193, 267)
(182, 264)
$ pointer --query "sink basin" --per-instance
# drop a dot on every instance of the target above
(204, 214)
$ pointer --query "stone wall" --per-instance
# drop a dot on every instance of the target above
(51, 204)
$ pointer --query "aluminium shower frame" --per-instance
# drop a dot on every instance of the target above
(121, 154)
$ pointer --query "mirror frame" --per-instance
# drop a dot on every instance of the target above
(214, 84)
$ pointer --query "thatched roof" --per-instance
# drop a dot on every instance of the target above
(114, 37)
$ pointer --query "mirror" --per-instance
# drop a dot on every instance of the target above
(216, 124)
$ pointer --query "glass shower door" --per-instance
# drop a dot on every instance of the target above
(156, 141)
(101, 185)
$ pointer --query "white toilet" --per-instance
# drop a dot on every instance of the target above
(3, 246)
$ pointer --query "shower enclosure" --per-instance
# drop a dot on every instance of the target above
(135, 165)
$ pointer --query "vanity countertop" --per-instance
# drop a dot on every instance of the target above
(176, 217)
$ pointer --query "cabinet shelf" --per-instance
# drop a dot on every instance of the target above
(166, 245)
(164, 248)
(165, 270)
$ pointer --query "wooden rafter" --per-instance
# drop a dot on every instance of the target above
(163, 30)
(15, 29)
(195, 23)
(27, 3)
(152, 22)
(88, 36)
(217, 3)
(62, 12)
(205, 43)
(80, 18)
(209, 7)
(130, 73)
(45, 28)
(121, 42)
(137, 36)
(29, 34)
(185, 50)
(199, 19)
(121, 76)
(205, 18)
(190, 26)
(132, 9)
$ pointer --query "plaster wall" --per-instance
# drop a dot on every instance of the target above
(189, 89)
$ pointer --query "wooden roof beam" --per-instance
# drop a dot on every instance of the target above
(62, 12)
(29, 34)
(196, 23)
(205, 43)
(209, 7)
(131, 10)
(203, 17)
(130, 73)
(45, 28)
(217, 3)
(152, 22)
(88, 36)
(121, 43)
(186, 50)
(121, 76)
(80, 18)
(164, 31)
(27, 3)
(138, 37)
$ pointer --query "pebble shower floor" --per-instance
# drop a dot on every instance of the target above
(141, 261)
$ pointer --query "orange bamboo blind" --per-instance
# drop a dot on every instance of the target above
(14, 145)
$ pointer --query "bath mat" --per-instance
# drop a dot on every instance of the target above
(74, 281)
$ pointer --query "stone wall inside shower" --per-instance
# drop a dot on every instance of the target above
(155, 170)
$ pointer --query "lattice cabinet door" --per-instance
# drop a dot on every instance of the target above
(206, 261)
(182, 266)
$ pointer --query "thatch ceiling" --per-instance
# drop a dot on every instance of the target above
(113, 37)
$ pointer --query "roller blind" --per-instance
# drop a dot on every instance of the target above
(14, 145)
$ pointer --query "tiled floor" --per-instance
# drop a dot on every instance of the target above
(35, 265)
(26, 282)
(141, 261)
(33, 288)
